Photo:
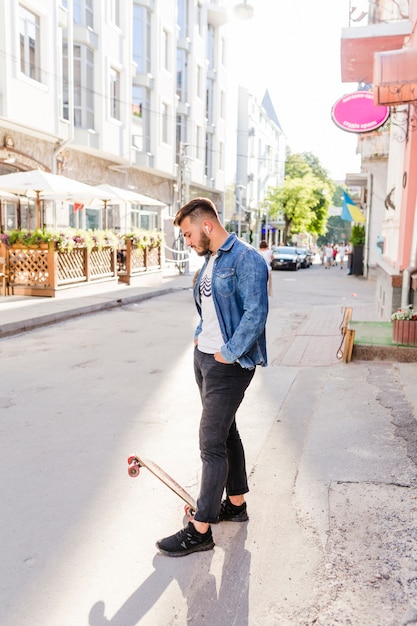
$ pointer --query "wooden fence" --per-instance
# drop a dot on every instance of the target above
(45, 270)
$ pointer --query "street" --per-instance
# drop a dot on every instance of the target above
(331, 452)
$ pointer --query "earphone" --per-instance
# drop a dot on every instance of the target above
(207, 230)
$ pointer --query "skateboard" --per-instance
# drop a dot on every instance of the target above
(135, 463)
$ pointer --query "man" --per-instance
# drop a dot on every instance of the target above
(231, 296)
(329, 255)
(342, 252)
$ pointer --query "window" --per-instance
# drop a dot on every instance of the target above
(181, 135)
(210, 47)
(29, 32)
(115, 12)
(182, 88)
(83, 12)
(114, 94)
(222, 105)
(165, 49)
(199, 81)
(208, 165)
(83, 87)
(143, 218)
(142, 39)
(209, 100)
(182, 18)
(199, 152)
(141, 129)
(221, 156)
(65, 90)
(165, 119)
(199, 18)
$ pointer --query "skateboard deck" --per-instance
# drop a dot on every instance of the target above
(135, 463)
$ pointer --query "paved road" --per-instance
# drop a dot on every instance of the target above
(330, 448)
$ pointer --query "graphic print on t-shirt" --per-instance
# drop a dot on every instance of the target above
(205, 286)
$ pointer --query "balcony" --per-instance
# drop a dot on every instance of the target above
(374, 26)
(374, 146)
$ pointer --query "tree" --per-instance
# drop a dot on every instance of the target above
(336, 229)
(304, 197)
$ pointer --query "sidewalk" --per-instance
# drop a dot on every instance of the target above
(315, 342)
(19, 314)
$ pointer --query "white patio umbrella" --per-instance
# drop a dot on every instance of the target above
(117, 195)
(43, 185)
(126, 195)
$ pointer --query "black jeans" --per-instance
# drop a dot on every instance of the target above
(222, 388)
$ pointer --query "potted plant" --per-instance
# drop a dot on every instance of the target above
(404, 326)
(140, 238)
(357, 239)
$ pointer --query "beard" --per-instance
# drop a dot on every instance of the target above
(203, 247)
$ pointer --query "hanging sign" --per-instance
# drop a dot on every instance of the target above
(356, 112)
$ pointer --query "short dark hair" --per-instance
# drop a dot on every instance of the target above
(263, 244)
(195, 209)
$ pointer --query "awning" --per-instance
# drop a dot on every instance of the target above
(126, 195)
(395, 77)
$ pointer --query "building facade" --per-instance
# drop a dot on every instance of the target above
(130, 93)
(260, 164)
(379, 49)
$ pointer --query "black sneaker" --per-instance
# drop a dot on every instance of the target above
(231, 513)
(186, 541)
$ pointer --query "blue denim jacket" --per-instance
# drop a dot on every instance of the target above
(240, 295)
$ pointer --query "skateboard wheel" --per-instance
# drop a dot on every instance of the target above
(133, 471)
(189, 512)
(130, 460)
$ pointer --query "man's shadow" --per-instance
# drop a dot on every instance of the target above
(197, 584)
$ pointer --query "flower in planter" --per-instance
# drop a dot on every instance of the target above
(5, 238)
(144, 238)
(409, 313)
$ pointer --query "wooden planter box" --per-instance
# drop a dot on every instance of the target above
(405, 332)
(134, 261)
(43, 271)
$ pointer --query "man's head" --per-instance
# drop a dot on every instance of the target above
(199, 222)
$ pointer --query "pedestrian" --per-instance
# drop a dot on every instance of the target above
(231, 297)
(349, 254)
(335, 251)
(342, 252)
(328, 253)
(266, 252)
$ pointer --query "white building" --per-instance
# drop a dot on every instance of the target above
(125, 92)
(260, 164)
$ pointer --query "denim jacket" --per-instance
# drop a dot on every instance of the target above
(240, 296)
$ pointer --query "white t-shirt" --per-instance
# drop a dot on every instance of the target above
(210, 339)
(342, 251)
(267, 255)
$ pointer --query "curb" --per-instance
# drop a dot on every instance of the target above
(22, 326)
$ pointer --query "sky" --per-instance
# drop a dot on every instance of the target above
(292, 49)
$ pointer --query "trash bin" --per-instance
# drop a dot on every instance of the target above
(357, 261)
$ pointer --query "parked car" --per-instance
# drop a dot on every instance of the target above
(285, 258)
(305, 257)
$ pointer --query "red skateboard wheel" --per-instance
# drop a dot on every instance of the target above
(133, 471)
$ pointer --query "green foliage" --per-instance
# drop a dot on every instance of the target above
(304, 197)
(143, 238)
(358, 235)
(65, 239)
